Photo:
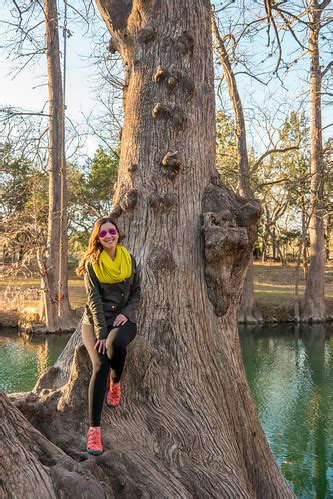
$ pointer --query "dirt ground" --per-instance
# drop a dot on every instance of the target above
(274, 289)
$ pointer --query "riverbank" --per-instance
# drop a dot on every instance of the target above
(274, 291)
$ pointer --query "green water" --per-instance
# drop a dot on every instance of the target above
(290, 373)
(24, 359)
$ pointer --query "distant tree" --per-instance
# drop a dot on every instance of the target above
(90, 196)
(24, 201)
(53, 263)
(248, 308)
(101, 179)
(314, 297)
(307, 22)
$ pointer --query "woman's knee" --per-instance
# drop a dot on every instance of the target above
(116, 346)
(101, 365)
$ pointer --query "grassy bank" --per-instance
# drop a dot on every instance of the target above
(274, 290)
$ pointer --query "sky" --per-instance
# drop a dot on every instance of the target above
(28, 89)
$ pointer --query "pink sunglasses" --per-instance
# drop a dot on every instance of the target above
(104, 233)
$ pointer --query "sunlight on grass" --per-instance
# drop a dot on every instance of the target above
(273, 284)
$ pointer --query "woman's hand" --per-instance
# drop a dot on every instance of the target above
(120, 320)
(100, 346)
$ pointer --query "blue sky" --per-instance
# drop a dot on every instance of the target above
(28, 90)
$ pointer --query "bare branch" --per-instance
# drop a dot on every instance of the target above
(269, 152)
(324, 71)
(324, 4)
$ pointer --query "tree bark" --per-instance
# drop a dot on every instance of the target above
(304, 240)
(188, 425)
(248, 309)
(57, 311)
(314, 297)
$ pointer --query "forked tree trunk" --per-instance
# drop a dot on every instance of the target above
(188, 425)
(314, 297)
(57, 312)
(248, 309)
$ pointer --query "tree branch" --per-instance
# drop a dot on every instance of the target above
(324, 71)
(267, 153)
(324, 4)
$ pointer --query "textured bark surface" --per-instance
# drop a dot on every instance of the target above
(57, 312)
(248, 309)
(314, 296)
(187, 426)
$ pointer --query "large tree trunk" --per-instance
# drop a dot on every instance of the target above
(314, 297)
(188, 425)
(248, 309)
(57, 311)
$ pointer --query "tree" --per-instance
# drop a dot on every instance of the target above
(57, 311)
(101, 180)
(248, 309)
(294, 18)
(189, 425)
(23, 211)
(314, 297)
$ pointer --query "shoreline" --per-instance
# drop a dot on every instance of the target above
(272, 314)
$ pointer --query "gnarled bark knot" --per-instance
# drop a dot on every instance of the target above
(146, 34)
(172, 78)
(171, 160)
(229, 229)
(129, 200)
(164, 203)
(185, 43)
(126, 196)
(112, 46)
(176, 115)
(159, 74)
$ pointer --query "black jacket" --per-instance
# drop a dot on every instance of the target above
(106, 301)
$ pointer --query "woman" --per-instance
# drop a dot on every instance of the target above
(113, 288)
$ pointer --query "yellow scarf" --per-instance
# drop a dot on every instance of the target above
(112, 271)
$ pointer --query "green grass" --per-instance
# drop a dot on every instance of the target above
(273, 284)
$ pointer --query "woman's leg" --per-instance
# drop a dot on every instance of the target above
(116, 347)
(99, 377)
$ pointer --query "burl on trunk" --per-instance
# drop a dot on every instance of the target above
(188, 425)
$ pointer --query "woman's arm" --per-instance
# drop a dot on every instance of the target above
(94, 302)
(134, 296)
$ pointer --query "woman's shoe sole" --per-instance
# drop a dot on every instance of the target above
(95, 452)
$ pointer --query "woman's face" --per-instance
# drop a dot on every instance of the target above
(108, 236)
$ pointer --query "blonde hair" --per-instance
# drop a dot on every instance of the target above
(95, 247)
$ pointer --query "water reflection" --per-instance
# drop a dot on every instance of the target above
(290, 373)
(24, 358)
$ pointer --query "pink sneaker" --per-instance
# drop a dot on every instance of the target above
(94, 442)
(113, 397)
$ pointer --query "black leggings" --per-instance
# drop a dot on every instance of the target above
(116, 343)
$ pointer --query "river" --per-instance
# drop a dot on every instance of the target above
(290, 373)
